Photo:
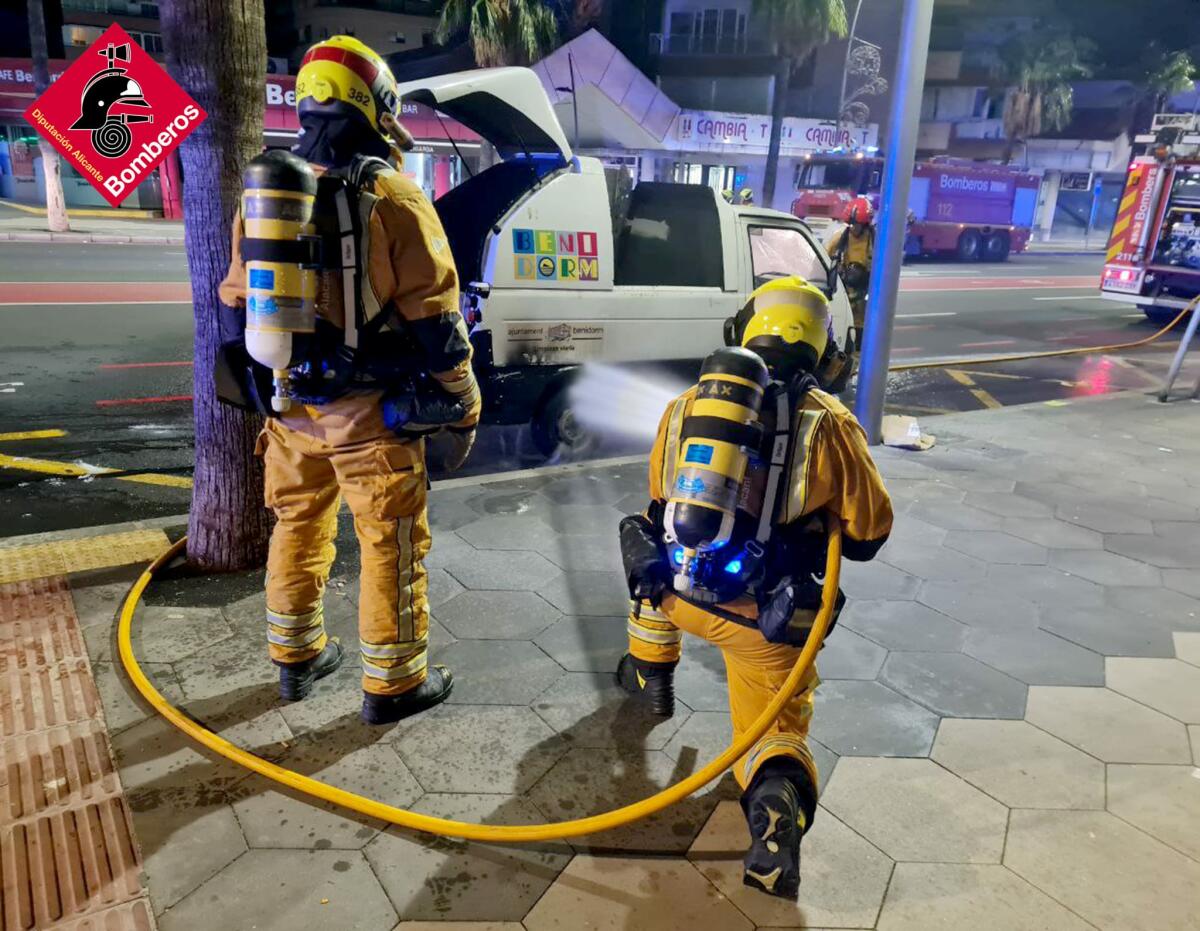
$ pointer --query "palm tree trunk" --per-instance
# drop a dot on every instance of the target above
(56, 204)
(216, 49)
(783, 75)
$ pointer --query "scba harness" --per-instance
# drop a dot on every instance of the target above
(322, 361)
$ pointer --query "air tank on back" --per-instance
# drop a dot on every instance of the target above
(715, 439)
(281, 269)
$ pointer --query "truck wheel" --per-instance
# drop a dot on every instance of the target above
(555, 429)
(1160, 316)
(996, 247)
(970, 245)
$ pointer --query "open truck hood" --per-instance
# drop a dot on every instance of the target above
(507, 106)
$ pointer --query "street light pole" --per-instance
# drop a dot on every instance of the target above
(903, 124)
(846, 70)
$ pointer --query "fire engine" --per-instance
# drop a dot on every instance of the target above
(975, 211)
(1153, 257)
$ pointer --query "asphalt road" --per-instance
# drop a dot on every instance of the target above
(97, 344)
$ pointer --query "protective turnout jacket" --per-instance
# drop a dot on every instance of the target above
(409, 275)
(829, 469)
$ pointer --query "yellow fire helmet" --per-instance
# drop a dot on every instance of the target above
(787, 324)
(343, 71)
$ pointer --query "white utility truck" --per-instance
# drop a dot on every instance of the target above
(563, 263)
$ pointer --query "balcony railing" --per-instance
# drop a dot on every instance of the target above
(147, 9)
(692, 44)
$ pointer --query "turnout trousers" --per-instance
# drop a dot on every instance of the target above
(756, 670)
(383, 482)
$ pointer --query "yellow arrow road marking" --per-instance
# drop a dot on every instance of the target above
(983, 397)
(82, 470)
(32, 435)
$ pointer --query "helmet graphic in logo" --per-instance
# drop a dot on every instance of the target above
(108, 88)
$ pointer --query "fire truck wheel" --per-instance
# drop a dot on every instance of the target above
(970, 245)
(997, 247)
(555, 429)
(1159, 316)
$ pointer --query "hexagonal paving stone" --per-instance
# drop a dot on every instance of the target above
(1108, 631)
(1184, 581)
(449, 509)
(1052, 532)
(1194, 737)
(915, 810)
(502, 570)
(1167, 685)
(995, 547)
(590, 710)
(121, 708)
(1105, 568)
(960, 517)
(272, 818)
(447, 880)
(909, 491)
(574, 520)
(1036, 657)
(1155, 550)
(1103, 519)
(1046, 586)
(955, 685)
(506, 533)
(614, 894)
(602, 594)
(855, 718)
(1187, 647)
(234, 665)
(588, 487)
(846, 655)
(1011, 505)
(446, 548)
(276, 888)
(479, 748)
(587, 782)
(1164, 801)
(584, 552)
(903, 625)
(844, 877)
(935, 562)
(959, 895)
(977, 604)
(1019, 765)
(877, 580)
(1160, 607)
(1109, 726)
(498, 672)
(700, 678)
(497, 615)
(586, 644)
(168, 635)
(441, 587)
(98, 604)
(1102, 869)
(908, 529)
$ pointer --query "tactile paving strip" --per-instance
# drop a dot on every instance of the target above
(39, 560)
(68, 857)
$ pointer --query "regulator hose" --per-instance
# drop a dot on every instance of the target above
(465, 829)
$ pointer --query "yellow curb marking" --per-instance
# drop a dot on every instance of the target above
(983, 397)
(32, 435)
(116, 212)
(82, 470)
(39, 560)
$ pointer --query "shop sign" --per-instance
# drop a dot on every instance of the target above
(714, 128)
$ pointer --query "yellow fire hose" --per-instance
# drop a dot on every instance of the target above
(1054, 353)
(465, 829)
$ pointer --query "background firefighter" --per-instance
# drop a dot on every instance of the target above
(817, 452)
(853, 250)
(359, 442)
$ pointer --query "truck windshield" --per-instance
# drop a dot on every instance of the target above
(841, 175)
(778, 251)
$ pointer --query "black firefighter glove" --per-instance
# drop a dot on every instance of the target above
(421, 408)
(646, 570)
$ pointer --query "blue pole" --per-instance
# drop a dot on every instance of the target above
(903, 123)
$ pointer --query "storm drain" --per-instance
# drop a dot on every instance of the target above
(68, 857)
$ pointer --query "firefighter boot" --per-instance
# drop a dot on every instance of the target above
(778, 806)
(388, 709)
(296, 680)
(653, 683)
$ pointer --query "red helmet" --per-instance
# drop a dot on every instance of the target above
(859, 210)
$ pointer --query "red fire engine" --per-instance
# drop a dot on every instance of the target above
(1153, 257)
(975, 211)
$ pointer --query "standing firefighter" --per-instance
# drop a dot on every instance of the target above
(746, 468)
(352, 306)
(853, 250)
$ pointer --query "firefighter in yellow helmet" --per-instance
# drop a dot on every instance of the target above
(756, 593)
(388, 318)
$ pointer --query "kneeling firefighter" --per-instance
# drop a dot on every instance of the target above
(352, 311)
(745, 469)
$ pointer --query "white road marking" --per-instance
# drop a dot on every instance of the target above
(990, 342)
(945, 313)
(1078, 297)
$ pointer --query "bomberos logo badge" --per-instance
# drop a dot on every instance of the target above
(115, 114)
